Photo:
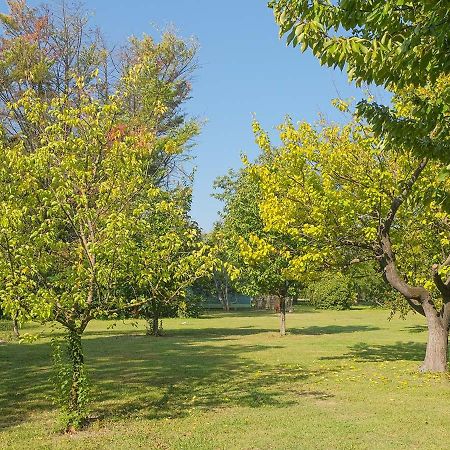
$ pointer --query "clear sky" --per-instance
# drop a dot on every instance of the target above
(245, 69)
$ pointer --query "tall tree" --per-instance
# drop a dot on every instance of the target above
(81, 166)
(342, 198)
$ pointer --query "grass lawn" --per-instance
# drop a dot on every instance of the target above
(338, 380)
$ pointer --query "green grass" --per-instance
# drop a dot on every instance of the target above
(338, 380)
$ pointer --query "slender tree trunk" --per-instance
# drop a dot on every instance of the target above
(75, 351)
(155, 326)
(282, 316)
(227, 300)
(436, 355)
(16, 327)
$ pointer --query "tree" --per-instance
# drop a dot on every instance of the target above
(49, 50)
(224, 272)
(168, 257)
(261, 257)
(79, 169)
(342, 198)
(400, 44)
(333, 291)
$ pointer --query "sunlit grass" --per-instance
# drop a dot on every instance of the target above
(338, 380)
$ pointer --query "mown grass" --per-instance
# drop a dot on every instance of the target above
(338, 380)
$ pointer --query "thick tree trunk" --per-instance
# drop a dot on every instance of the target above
(75, 351)
(418, 297)
(437, 345)
(282, 316)
(153, 328)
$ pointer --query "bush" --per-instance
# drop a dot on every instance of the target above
(192, 306)
(334, 291)
(368, 283)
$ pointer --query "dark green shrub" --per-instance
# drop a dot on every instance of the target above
(368, 283)
(191, 306)
(334, 291)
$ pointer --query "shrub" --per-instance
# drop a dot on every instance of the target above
(334, 291)
(370, 287)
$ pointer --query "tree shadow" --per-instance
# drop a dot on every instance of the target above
(332, 329)
(136, 375)
(25, 381)
(219, 314)
(189, 333)
(406, 351)
(168, 378)
(416, 329)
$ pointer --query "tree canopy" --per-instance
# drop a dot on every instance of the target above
(262, 257)
(399, 44)
(91, 200)
(341, 198)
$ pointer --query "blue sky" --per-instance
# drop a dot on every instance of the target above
(245, 69)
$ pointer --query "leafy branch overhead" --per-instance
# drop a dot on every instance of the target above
(399, 44)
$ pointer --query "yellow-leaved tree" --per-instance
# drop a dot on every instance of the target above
(343, 198)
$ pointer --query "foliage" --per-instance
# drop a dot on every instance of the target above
(223, 281)
(160, 257)
(341, 197)
(153, 88)
(261, 255)
(371, 289)
(328, 187)
(332, 291)
(191, 306)
(64, 373)
(86, 174)
(400, 44)
(397, 42)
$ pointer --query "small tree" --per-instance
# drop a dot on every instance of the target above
(223, 273)
(261, 257)
(168, 257)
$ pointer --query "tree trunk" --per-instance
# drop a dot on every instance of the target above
(153, 326)
(437, 345)
(282, 316)
(226, 298)
(153, 322)
(16, 328)
(75, 351)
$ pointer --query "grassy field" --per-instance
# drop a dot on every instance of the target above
(338, 380)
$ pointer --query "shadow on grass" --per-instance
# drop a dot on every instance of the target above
(219, 314)
(407, 351)
(203, 334)
(332, 329)
(416, 329)
(167, 378)
(206, 334)
(24, 381)
(140, 376)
